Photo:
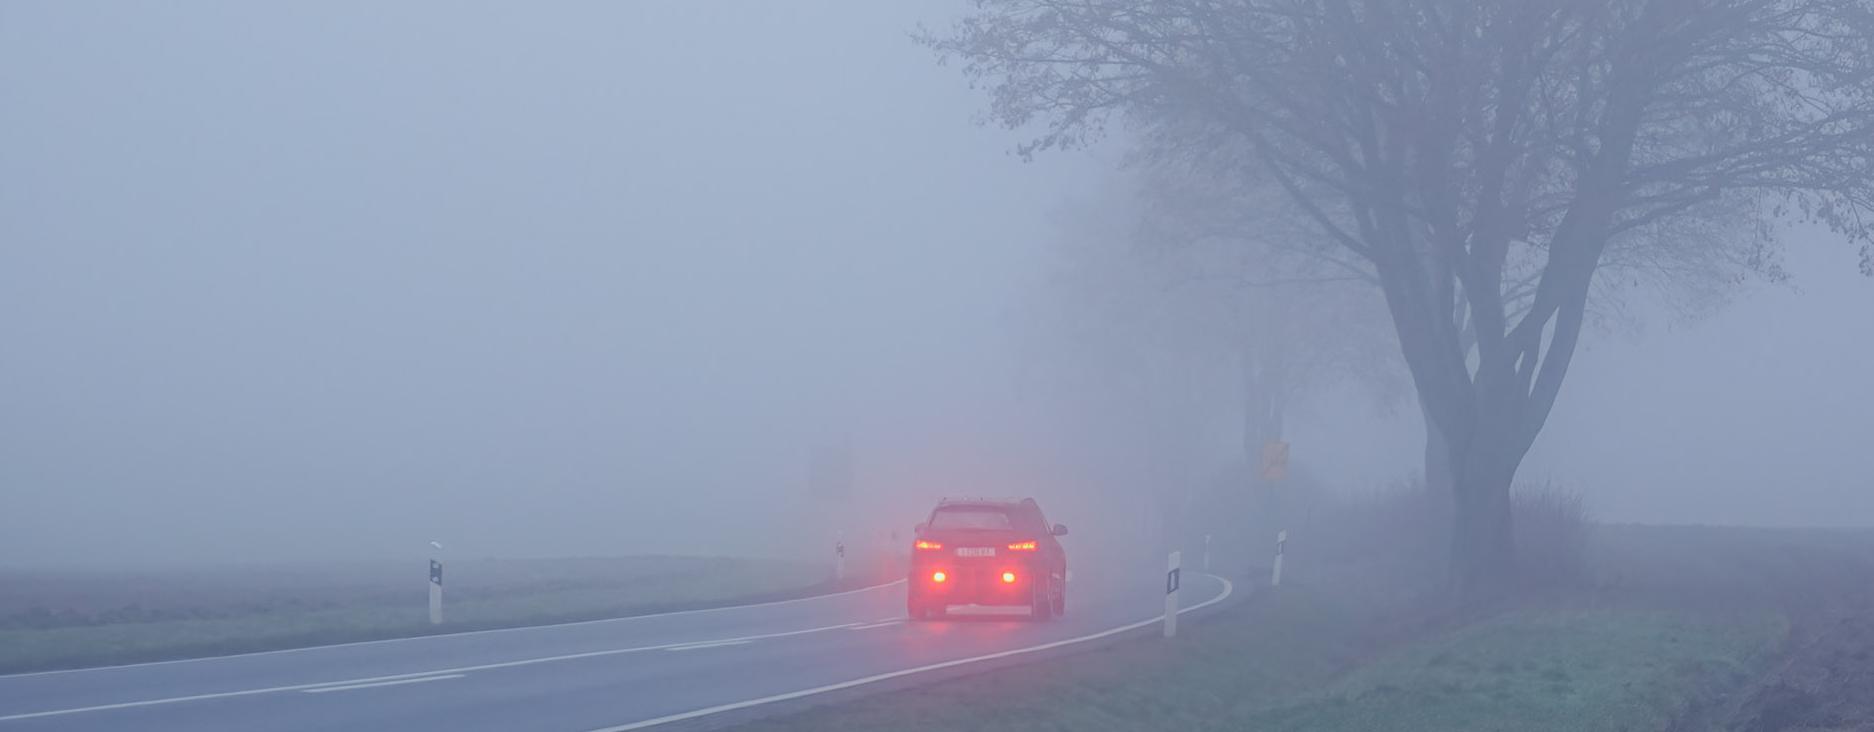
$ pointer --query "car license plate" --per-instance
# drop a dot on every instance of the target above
(976, 551)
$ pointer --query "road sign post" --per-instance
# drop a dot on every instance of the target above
(839, 561)
(1281, 542)
(1207, 554)
(1273, 471)
(1171, 593)
(435, 592)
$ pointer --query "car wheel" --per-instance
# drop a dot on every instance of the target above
(1041, 605)
(1060, 598)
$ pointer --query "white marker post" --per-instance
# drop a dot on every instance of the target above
(1206, 554)
(1171, 593)
(1281, 539)
(839, 561)
(435, 592)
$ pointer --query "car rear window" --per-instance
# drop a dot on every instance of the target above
(960, 517)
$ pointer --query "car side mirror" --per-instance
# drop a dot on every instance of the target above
(1060, 529)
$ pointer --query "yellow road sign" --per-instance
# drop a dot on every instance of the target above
(1274, 461)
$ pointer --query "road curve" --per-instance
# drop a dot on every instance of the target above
(614, 675)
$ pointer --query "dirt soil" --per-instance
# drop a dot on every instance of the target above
(1826, 680)
(1823, 678)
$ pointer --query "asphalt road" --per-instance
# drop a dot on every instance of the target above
(629, 673)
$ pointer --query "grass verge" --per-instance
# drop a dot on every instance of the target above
(1541, 670)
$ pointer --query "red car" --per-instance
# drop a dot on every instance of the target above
(984, 551)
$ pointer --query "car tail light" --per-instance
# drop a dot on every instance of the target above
(1008, 578)
(1022, 546)
(939, 577)
(928, 546)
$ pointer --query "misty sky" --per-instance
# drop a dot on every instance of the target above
(340, 278)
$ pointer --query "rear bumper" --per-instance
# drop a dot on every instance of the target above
(972, 585)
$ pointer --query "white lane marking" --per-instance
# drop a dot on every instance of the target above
(869, 626)
(406, 639)
(890, 618)
(456, 670)
(348, 687)
(1228, 587)
(716, 644)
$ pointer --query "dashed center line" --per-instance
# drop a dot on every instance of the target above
(348, 687)
(717, 644)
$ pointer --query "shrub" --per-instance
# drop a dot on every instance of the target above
(1551, 527)
(1403, 526)
(1407, 528)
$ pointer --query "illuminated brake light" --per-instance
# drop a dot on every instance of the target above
(1022, 546)
(923, 545)
(1008, 577)
(938, 577)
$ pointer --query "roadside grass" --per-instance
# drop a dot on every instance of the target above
(252, 611)
(1542, 670)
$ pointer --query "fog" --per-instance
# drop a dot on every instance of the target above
(338, 280)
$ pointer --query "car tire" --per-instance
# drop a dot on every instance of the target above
(921, 612)
(1041, 605)
(1060, 599)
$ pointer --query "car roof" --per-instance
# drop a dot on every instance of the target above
(978, 501)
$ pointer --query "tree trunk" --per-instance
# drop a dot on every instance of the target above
(1483, 548)
(1437, 458)
(1258, 404)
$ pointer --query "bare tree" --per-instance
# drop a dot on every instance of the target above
(1309, 319)
(1160, 306)
(1434, 140)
